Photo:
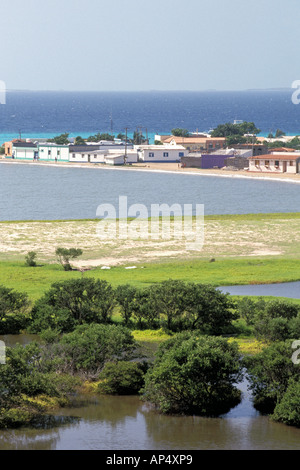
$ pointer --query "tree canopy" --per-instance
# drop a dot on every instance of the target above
(194, 374)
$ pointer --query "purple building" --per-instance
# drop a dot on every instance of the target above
(212, 161)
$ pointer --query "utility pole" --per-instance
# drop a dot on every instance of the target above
(125, 156)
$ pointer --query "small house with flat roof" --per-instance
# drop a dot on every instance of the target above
(282, 162)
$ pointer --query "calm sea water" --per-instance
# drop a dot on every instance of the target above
(33, 192)
(85, 113)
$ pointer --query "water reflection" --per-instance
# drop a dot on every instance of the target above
(126, 423)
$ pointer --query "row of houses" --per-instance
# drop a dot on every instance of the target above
(254, 158)
(93, 153)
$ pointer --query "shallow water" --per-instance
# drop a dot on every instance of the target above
(126, 423)
(29, 192)
(287, 289)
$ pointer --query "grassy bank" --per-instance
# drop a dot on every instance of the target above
(35, 281)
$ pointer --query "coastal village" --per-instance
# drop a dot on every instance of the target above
(197, 150)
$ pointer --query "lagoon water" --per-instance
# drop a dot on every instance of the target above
(126, 423)
(37, 192)
(29, 192)
(288, 289)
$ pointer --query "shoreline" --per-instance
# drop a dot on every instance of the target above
(167, 168)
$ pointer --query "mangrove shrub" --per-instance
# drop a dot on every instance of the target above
(194, 374)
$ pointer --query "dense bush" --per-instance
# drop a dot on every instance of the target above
(194, 374)
(71, 303)
(89, 347)
(277, 320)
(270, 373)
(176, 306)
(23, 379)
(14, 308)
(121, 378)
(287, 411)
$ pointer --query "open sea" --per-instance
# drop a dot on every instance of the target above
(45, 114)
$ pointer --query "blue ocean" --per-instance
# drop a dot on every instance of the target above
(45, 114)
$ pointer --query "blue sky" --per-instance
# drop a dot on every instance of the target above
(139, 45)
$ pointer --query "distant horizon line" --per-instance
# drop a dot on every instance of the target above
(20, 90)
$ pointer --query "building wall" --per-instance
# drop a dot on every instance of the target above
(237, 162)
(8, 149)
(26, 153)
(162, 154)
(212, 161)
(52, 152)
(272, 165)
(191, 162)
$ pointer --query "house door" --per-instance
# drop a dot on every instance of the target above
(284, 167)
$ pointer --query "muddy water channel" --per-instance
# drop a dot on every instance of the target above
(126, 423)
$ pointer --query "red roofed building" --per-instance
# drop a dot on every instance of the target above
(282, 162)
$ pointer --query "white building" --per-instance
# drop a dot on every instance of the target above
(107, 156)
(24, 151)
(161, 153)
(53, 152)
(275, 163)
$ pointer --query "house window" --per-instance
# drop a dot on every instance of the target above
(151, 154)
(58, 152)
(49, 152)
(267, 163)
(166, 154)
(95, 156)
(256, 162)
(181, 154)
(291, 163)
(73, 156)
(277, 163)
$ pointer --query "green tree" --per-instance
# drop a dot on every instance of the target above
(89, 347)
(61, 139)
(279, 133)
(79, 141)
(208, 309)
(26, 374)
(138, 138)
(249, 309)
(74, 302)
(194, 374)
(121, 378)
(270, 373)
(64, 255)
(169, 300)
(30, 259)
(178, 132)
(100, 136)
(287, 411)
(145, 308)
(14, 310)
(234, 133)
(126, 297)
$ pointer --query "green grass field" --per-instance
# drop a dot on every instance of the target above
(246, 249)
(36, 280)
